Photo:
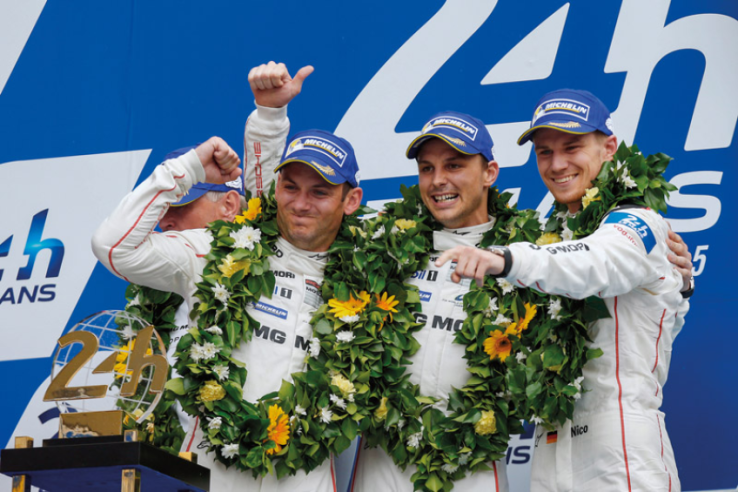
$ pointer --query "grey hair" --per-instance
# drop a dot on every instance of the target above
(216, 196)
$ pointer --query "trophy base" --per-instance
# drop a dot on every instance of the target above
(94, 464)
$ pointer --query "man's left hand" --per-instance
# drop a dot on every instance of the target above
(680, 257)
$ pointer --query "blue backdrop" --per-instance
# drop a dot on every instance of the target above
(90, 91)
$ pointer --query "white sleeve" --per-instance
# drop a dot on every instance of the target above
(628, 251)
(263, 141)
(126, 244)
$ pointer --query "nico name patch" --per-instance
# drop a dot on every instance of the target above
(637, 225)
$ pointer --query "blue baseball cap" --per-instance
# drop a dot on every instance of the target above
(199, 189)
(461, 131)
(331, 156)
(570, 111)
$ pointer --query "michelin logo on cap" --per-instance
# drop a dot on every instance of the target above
(336, 154)
(236, 183)
(455, 124)
(562, 106)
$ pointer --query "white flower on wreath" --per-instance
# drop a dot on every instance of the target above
(536, 420)
(502, 320)
(492, 308)
(136, 301)
(300, 410)
(379, 232)
(215, 422)
(221, 293)
(506, 286)
(345, 336)
(209, 350)
(578, 383)
(627, 180)
(229, 450)
(215, 330)
(567, 234)
(222, 371)
(449, 468)
(554, 307)
(414, 440)
(339, 402)
(520, 357)
(326, 415)
(127, 331)
(246, 237)
(400, 424)
(464, 458)
(314, 348)
(196, 352)
(350, 319)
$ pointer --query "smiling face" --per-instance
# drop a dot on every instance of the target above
(454, 185)
(568, 163)
(309, 209)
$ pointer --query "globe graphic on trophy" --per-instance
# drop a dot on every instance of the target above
(97, 367)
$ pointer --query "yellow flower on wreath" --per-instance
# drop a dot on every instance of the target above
(344, 385)
(498, 344)
(487, 424)
(121, 359)
(530, 313)
(355, 229)
(252, 212)
(381, 412)
(589, 197)
(351, 307)
(212, 391)
(279, 428)
(386, 303)
(229, 266)
(405, 224)
(548, 238)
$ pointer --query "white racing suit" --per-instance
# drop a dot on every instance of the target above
(617, 440)
(126, 244)
(438, 365)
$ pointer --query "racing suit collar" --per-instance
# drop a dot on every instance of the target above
(470, 236)
(306, 262)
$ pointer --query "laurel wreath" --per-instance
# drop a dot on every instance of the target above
(162, 428)
(375, 344)
(284, 431)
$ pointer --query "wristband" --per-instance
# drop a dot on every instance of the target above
(507, 258)
(686, 294)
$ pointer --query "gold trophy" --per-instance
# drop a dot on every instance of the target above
(108, 374)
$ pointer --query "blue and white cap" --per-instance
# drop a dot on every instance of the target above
(199, 189)
(570, 111)
(461, 131)
(331, 156)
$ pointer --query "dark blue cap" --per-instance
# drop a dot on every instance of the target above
(461, 131)
(331, 156)
(199, 189)
(569, 111)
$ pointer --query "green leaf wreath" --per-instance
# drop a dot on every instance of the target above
(367, 333)
(284, 431)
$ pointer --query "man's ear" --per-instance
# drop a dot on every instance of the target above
(352, 201)
(231, 205)
(611, 146)
(491, 173)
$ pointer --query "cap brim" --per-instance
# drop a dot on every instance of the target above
(528, 134)
(190, 197)
(414, 147)
(322, 175)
